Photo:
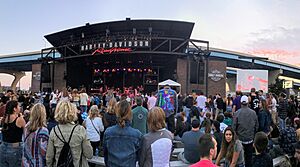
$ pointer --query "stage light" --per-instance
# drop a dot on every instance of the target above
(134, 31)
(124, 69)
(82, 35)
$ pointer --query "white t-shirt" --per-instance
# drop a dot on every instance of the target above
(201, 101)
(151, 102)
(274, 103)
(83, 99)
(54, 98)
(91, 131)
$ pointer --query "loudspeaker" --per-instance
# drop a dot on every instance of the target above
(45, 73)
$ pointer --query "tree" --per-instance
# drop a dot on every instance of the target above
(277, 87)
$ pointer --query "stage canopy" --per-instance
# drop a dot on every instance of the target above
(169, 82)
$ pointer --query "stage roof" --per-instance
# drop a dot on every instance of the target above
(161, 28)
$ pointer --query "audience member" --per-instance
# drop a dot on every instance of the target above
(287, 137)
(68, 131)
(121, 142)
(260, 145)
(207, 151)
(190, 141)
(156, 145)
(36, 138)
(245, 125)
(139, 118)
(12, 131)
(231, 149)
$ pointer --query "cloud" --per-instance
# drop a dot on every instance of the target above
(279, 43)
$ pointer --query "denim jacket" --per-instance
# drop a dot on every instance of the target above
(121, 146)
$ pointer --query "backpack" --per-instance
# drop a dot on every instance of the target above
(65, 158)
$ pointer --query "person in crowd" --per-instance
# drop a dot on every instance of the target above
(36, 138)
(181, 125)
(167, 100)
(152, 101)
(245, 124)
(68, 131)
(75, 97)
(145, 103)
(227, 119)
(110, 117)
(292, 107)
(46, 103)
(229, 103)
(231, 150)
(109, 96)
(274, 109)
(297, 127)
(94, 126)
(83, 100)
(206, 126)
(218, 134)
(264, 117)
(287, 137)
(121, 142)
(236, 103)
(195, 111)
(54, 98)
(297, 153)
(139, 114)
(223, 126)
(64, 95)
(282, 110)
(207, 151)
(51, 123)
(219, 105)
(188, 103)
(260, 145)
(12, 131)
(156, 146)
(254, 100)
(190, 141)
(201, 99)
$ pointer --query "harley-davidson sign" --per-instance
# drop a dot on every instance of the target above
(111, 50)
(215, 75)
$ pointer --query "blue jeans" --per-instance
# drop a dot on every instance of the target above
(10, 156)
(187, 113)
(281, 123)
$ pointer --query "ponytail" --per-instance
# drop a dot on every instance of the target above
(123, 112)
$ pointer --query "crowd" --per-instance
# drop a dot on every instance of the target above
(67, 127)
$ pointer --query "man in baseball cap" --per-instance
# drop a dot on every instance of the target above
(245, 124)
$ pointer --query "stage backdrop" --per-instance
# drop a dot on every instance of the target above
(247, 79)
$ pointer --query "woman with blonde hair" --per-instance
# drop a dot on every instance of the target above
(110, 117)
(156, 147)
(68, 131)
(121, 142)
(36, 138)
(94, 126)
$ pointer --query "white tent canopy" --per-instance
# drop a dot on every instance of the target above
(169, 82)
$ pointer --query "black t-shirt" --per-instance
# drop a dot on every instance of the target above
(263, 159)
(254, 103)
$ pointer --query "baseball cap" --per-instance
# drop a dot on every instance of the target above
(244, 99)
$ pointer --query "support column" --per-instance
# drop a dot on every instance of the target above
(18, 76)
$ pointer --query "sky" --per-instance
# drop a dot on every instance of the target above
(269, 28)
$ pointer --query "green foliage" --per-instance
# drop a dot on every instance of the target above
(277, 87)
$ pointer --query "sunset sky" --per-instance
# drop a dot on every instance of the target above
(268, 28)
